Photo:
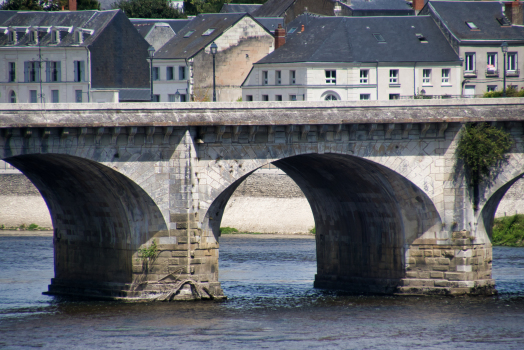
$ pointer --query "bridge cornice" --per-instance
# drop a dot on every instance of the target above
(260, 113)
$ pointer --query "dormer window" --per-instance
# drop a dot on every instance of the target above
(472, 26)
(504, 22)
(12, 37)
(33, 37)
(208, 32)
(55, 37)
(422, 38)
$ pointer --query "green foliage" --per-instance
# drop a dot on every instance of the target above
(195, 7)
(509, 231)
(510, 92)
(30, 5)
(313, 230)
(228, 230)
(481, 147)
(239, 99)
(82, 5)
(148, 9)
(148, 253)
(33, 227)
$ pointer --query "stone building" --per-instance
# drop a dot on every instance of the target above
(356, 58)
(63, 57)
(476, 31)
(183, 67)
(158, 32)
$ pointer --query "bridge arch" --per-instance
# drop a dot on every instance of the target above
(366, 215)
(100, 217)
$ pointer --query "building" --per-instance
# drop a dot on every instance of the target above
(183, 67)
(357, 58)
(290, 9)
(81, 56)
(476, 31)
(158, 32)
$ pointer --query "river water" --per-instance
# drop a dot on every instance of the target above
(271, 305)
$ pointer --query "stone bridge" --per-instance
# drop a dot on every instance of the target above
(136, 192)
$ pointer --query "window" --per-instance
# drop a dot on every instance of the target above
(426, 76)
(394, 96)
(54, 96)
(379, 37)
(171, 98)
(278, 97)
(292, 77)
(12, 97)
(512, 62)
(265, 77)
(445, 76)
(79, 68)
(156, 73)
(393, 76)
(170, 73)
(156, 98)
(492, 88)
(12, 72)
(55, 37)
(79, 38)
(33, 37)
(292, 97)
(471, 25)
(331, 76)
(365, 96)
(208, 32)
(53, 71)
(330, 97)
(188, 34)
(469, 62)
(491, 63)
(364, 75)
(183, 98)
(265, 98)
(292, 30)
(78, 96)
(12, 37)
(181, 73)
(31, 72)
(278, 77)
(249, 97)
(33, 96)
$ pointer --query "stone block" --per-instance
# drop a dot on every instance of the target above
(411, 274)
(418, 282)
(442, 283)
(437, 274)
(456, 276)
(423, 274)
(441, 268)
(180, 253)
(428, 253)
(416, 253)
(443, 261)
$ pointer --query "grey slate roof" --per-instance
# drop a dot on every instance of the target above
(350, 39)
(134, 95)
(239, 8)
(270, 23)
(378, 5)
(144, 25)
(273, 8)
(455, 14)
(96, 20)
(180, 47)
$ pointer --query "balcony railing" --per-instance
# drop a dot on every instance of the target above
(470, 73)
(492, 72)
(512, 73)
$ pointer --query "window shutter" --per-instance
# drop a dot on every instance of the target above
(82, 71)
(59, 71)
(75, 66)
(48, 71)
(26, 72)
(37, 68)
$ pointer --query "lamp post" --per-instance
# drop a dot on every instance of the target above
(151, 52)
(504, 47)
(177, 96)
(214, 49)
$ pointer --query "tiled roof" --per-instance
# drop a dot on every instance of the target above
(239, 8)
(134, 95)
(273, 8)
(354, 39)
(145, 25)
(378, 5)
(270, 23)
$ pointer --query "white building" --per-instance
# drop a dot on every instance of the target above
(357, 58)
(83, 56)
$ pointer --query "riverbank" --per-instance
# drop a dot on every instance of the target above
(509, 231)
(26, 233)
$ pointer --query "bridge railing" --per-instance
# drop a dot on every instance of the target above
(438, 97)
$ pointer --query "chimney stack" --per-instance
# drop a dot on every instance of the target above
(514, 12)
(72, 5)
(280, 36)
(418, 5)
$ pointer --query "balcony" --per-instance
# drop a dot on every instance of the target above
(513, 73)
(470, 73)
(492, 72)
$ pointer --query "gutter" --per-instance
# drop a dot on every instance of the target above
(88, 75)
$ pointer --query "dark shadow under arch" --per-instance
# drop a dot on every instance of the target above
(366, 216)
(100, 217)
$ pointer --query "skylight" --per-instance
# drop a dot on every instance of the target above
(208, 32)
(504, 21)
(292, 30)
(472, 25)
(188, 34)
(421, 38)
(379, 37)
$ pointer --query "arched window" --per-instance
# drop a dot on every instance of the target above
(331, 97)
(12, 97)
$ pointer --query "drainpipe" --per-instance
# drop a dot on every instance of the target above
(414, 80)
(88, 68)
(376, 78)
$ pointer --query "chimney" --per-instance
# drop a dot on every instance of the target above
(280, 36)
(513, 11)
(72, 5)
(302, 29)
(418, 5)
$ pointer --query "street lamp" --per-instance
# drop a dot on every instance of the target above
(177, 96)
(214, 49)
(504, 47)
(151, 52)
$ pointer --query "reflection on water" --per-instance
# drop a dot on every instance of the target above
(271, 304)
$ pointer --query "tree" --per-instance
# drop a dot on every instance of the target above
(31, 5)
(148, 9)
(195, 7)
(87, 5)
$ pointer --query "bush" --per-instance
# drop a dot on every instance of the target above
(510, 92)
(509, 231)
(33, 227)
(228, 230)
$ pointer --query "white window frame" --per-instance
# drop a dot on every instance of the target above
(393, 76)
(170, 73)
(181, 73)
(12, 97)
(278, 77)
(331, 76)
(156, 73)
(426, 76)
(11, 72)
(33, 96)
(293, 97)
(446, 72)
(365, 97)
(55, 96)
(491, 60)
(364, 76)
(265, 77)
(512, 62)
(292, 77)
(469, 62)
(78, 96)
